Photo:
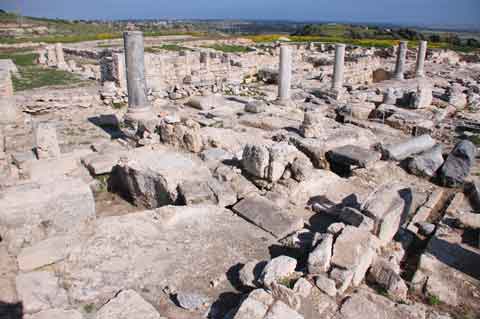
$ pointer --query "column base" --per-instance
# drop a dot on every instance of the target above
(400, 77)
(136, 115)
(284, 102)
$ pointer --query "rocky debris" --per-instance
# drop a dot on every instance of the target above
(182, 134)
(473, 191)
(40, 291)
(458, 164)
(268, 216)
(278, 268)
(343, 279)
(127, 305)
(427, 163)
(204, 102)
(373, 306)
(320, 257)
(419, 98)
(351, 155)
(326, 285)
(256, 107)
(455, 96)
(190, 301)
(354, 250)
(361, 111)
(312, 124)
(426, 229)
(279, 310)
(150, 178)
(269, 162)
(386, 276)
(285, 295)
(302, 287)
(250, 273)
(255, 305)
(31, 212)
(401, 151)
(354, 217)
(386, 206)
(55, 314)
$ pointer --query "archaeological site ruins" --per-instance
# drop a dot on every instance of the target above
(291, 180)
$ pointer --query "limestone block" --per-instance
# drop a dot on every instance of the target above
(46, 142)
(31, 211)
(40, 291)
(128, 305)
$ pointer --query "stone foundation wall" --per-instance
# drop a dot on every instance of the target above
(6, 86)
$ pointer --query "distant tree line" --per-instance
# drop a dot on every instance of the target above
(375, 32)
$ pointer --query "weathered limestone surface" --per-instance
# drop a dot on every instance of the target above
(46, 142)
(151, 177)
(33, 211)
(136, 251)
(40, 291)
(266, 215)
(127, 305)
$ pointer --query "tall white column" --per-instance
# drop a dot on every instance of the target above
(285, 73)
(401, 60)
(421, 54)
(339, 67)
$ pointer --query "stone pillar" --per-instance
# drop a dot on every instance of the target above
(285, 74)
(401, 59)
(8, 109)
(422, 52)
(60, 57)
(46, 142)
(119, 72)
(339, 67)
(51, 56)
(139, 109)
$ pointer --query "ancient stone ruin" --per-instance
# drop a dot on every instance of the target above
(289, 181)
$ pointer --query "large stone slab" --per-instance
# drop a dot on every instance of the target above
(349, 155)
(181, 247)
(458, 164)
(269, 217)
(150, 178)
(128, 305)
(31, 212)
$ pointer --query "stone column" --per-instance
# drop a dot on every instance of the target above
(285, 74)
(46, 142)
(60, 57)
(422, 52)
(339, 67)
(118, 70)
(139, 109)
(401, 59)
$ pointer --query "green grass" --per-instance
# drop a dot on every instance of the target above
(33, 76)
(167, 47)
(229, 48)
(36, 77)
(27, 59)
(433, 300)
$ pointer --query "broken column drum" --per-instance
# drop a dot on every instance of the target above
(422, 52)
(285, 74)
(401, 59)
(339, 67)
(139, 109)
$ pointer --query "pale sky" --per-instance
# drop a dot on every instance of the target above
(430, 12)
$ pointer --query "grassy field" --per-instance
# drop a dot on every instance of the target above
(229, 48)
(167, 47)
(33, 76)
(381, 43)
